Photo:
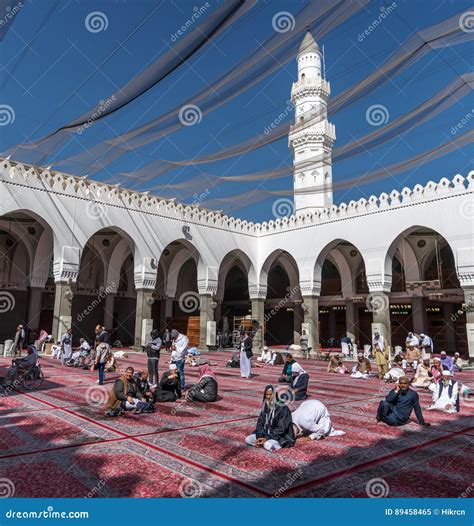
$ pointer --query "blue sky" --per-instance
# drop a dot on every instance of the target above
(41, 85)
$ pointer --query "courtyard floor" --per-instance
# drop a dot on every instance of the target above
(56, 442)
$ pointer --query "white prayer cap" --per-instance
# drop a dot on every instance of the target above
(422, 335)
(443, 353)
(436, 359)
(172, 366)
(456, 354)
(360, 354)
(446, 372)
(265, 348)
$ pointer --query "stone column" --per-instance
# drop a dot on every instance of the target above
(418, 314)
(352, 320)
(311, 321)
(143, 319)
(448, 314)
(378, 303)
(258, 314)
(469, 309)
(62, 315)
(34, 308)
(109, 306)
(298, 318)
(206, 314)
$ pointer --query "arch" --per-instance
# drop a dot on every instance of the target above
(121, 252)
(288, 262)
(235, 258)
(412, 264)
(339, 259)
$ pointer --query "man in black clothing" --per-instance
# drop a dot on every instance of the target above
(286, 376)
(153, 352)
(169, 389)
(396, 409)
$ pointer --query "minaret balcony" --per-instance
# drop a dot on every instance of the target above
(321, 127)
(310, 88)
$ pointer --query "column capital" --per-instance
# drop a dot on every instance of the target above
(66, 268)
(145, 273)
(257, 292)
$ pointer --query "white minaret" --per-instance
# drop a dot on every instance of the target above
(311, 137)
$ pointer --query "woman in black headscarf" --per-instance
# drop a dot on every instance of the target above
(274, 425)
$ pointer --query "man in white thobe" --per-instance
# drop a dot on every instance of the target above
(312, 419)
(426, 346)
(445, 394)
(245, 355)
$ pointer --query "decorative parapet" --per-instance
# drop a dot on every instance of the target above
(51, 181)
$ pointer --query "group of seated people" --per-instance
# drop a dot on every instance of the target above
(277, 427)
(132, 391)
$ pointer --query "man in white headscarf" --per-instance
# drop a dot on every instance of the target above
(300, 381)
(445, 394)
(312, 418)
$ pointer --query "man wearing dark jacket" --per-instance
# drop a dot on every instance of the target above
(396, 409)
(153, 352)
(286, 376)
(169, 389)
(124, 395)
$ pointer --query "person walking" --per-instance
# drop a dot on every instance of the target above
(245, 355)
(18, 340)
(152, 349)
(102, 352)
(66, 346)
(180, 343)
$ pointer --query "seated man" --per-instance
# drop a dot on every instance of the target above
(312, 418)
(141, 379)
(396, 409)
(286, 375)
(300, 381)
(445, 394)
(56, 351)
(274, 428)
(423, 375)
(266, 356)
(362, 368)
(206, 389)
(335, 365)
(396, 371)
(447, 362)
(22, 365)
(125, 396)
(458, 363)
(168, 390)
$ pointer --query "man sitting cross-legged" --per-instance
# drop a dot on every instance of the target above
(396, 409)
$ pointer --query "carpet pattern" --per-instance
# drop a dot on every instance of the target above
(56, 442)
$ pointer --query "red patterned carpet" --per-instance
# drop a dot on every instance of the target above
(56, 442)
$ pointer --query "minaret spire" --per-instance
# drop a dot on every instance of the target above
(311, 137)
